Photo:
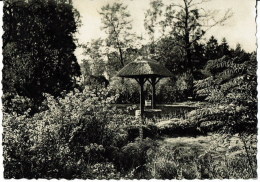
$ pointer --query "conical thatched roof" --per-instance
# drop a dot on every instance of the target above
(144, 67)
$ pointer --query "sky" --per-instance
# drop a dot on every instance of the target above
(240, 28)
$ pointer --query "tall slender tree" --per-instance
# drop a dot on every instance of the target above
(211, 48)
(224, 48)
(117, 25)
(186, 23)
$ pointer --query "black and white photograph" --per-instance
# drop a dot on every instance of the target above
(129, 89)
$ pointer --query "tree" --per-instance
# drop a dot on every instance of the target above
(151, 21)
(117, 25)
(95, 57)
(186, 23)
(224, 48)
(199, 60)
(240, 53)
(94, 67)
(211, 48)
(38, 48)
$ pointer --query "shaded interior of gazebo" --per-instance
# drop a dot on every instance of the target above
(142, 70)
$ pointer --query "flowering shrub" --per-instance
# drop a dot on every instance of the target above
(103, 171)
(231, 94)
(230, 90)
(76, 128)
(17, 104)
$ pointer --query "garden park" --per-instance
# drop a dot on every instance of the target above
(178, 106)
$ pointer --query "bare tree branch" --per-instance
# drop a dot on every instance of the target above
(199, 3)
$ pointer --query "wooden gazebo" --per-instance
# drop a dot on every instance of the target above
(142, 70)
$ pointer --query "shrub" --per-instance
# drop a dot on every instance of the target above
(101, 171)
(173, 163)
(134, 155)
(127, 90)
(76, 128)
(230, 90)
(19, 104)
(168, 93)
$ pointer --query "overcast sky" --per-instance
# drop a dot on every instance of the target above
(240, 28)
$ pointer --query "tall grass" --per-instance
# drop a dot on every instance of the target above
(220, 158)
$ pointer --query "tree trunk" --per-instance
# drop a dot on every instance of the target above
(188, 64)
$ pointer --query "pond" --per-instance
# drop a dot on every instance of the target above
(176, 110)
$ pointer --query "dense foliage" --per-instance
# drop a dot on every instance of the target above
(76, 129)
(38, 48)
(81, 135)
(54, 127)
(230, 90)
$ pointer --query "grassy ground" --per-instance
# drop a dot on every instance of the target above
(214, 156)
(200, 142)
(216, 144)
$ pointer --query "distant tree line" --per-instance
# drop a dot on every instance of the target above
(181, 47)
(39, 45)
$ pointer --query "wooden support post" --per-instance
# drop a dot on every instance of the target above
(141, 82)
(153, 82)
